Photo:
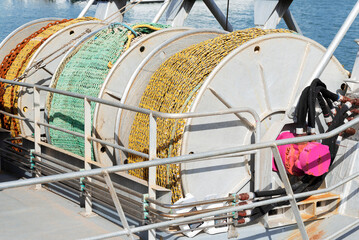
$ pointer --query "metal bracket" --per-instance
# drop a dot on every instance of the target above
(32, 163)
(178, 11)
(268, 13)
(145, 205)
(110, 10)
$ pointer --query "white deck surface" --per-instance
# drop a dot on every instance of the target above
(26, 213)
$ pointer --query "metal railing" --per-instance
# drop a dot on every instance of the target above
(156, 162)
(88, 138)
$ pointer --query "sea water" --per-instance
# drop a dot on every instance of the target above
(319, 20)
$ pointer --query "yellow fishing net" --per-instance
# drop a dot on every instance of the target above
(172, 89)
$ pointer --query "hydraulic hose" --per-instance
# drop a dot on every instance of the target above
(311, 101)
(337, 121)
(306, 104)
(302, 110)
(330, 95)
(307, 183)
(322, 102)
(279, 191)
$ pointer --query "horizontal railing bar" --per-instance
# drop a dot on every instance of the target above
(224, 211)
(133, 108)
(222, 217)
(178, 159)
(132, 213)
(6, 153)
(118, 186)
(47, 170)
(140, 154)
(192, 204)
(16, 145)
(97, 187)
(81, 135)
(62, 130)
(20, 165)
(16, 116)
(123, 106)
(56, 161)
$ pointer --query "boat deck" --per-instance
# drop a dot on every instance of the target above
(26, 213)
(317, 230)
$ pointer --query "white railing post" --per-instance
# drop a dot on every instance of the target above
(152, 170)
(37, 129)
(87, 146)
(289, 191)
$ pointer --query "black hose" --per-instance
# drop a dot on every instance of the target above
(312, 97)
(331, 106)
(302, 108)
(307, 183)
(306, 104)
(322, 103)
(337, 121)
(330, 95)
(279, 191)
(329, 102)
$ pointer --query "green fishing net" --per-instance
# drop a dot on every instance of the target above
(84, 72)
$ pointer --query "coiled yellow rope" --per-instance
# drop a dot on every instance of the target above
(172, 89)
(131, 36)
(19, 66)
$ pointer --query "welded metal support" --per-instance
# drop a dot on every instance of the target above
(161, 11)
(291, 23)
(354, 78)
(244, 120)
(87, 146)
(353, 81)
(86, 8)
(178, 11)
(289, 191)
(218, 14)
(268, 13)
(152, 170)
(262, 170)
(37, 128)
(117, 203)
(110, 10)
